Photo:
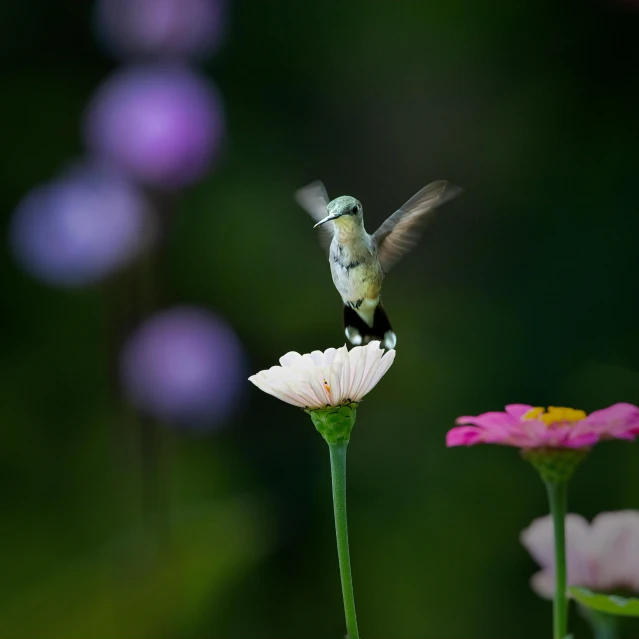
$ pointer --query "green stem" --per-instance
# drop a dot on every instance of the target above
(338, 474)
(557, 497)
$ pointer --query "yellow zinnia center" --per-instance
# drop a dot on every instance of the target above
(555, 415)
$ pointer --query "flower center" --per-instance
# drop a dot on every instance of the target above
(555, 415)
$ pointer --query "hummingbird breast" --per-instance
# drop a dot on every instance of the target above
(357, 274)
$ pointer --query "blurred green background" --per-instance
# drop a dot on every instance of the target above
(524, 289)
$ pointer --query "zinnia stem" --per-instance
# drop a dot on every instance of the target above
(338, 474)
(557, 498)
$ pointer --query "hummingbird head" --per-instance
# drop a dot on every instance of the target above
(344, 206)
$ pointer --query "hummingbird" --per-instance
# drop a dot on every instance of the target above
(360, 261)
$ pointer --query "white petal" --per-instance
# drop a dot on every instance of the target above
(357, 357)
(261, 379)
(301, 390)
(382, 367)
(345, 373)
(579, 566)
(317, 383)
(334, 381)
(255, 379)
(538, 538)
(290, 358)
(329, 356)
(316, 389)
(373, 366)
(614, 545)
(372, 355)
(273, 373)
(276, 390)
(341, 354)
(543, 583)
(299, 363)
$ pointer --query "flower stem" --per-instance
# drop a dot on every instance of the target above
(557, 497)
(338, 474)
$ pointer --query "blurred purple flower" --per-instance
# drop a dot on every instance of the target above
(161, 28)
(184, 365)
(80, 227)
(161, 125)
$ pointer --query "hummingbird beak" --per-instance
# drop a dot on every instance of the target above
(328, 218)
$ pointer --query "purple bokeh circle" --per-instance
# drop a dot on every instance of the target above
(161, 28)
(162, 125)
(81, 227)
(184, 365)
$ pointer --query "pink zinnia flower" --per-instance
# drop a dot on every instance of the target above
(528, 427)
(602, 556)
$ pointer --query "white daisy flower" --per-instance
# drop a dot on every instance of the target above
(317, 380)
(602, 555)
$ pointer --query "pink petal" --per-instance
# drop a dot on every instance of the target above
(463, 436)
(581, 441)
(621, 411)
(518, 410)
(535, 433)
(490, 420)
(629, 435)
(617, 421)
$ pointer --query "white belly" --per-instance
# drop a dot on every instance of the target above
(367, 310)
(357, 273)
(359, 288)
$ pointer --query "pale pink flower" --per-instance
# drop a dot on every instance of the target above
(527, 426)
(602, 556)
(330, 378)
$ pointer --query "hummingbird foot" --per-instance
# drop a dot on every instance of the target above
(390, 339)
(353, 335)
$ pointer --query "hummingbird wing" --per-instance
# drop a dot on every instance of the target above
(314, 200)
(401, 231)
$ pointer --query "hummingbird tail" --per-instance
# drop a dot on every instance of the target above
(359, 332)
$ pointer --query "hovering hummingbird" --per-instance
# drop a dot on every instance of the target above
(358, 260)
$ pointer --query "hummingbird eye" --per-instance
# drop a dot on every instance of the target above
(354, 209)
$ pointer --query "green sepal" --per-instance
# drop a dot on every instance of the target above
(334, 423)
(555, 465)
(610, 604)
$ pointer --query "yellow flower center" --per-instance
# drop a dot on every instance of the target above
(555, 415)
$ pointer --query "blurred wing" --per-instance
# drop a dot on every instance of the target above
(401, 231)
(314, 200)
